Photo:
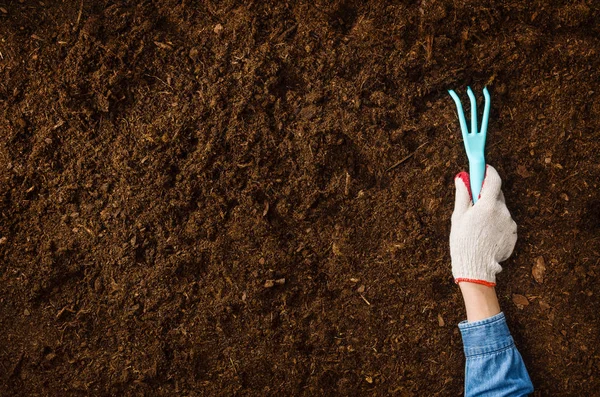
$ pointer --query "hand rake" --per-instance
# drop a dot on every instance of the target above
(475, 140)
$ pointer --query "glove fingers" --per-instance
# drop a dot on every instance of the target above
(492, 185)
(508, 245)
(501, 198)
(463, 194)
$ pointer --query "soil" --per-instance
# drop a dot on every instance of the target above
(253, 198)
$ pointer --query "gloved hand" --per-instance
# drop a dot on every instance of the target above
(482, 235)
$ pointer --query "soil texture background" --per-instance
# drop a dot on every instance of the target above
(254, 197)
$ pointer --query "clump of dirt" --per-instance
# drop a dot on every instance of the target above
(217, 198)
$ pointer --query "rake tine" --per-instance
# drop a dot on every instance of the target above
(461, 114)
(486, 111)
(473, 110)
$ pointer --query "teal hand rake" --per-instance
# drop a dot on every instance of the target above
(475, 140)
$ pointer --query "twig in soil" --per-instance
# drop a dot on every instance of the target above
(285, 34)
(406, 158)
(79, 15)
(233, 365)
(365, 299)
(159, 79)
(570, 176)
(347, 187)
(16, 368)
(496, 143)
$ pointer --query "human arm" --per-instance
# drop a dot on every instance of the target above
(482, 236)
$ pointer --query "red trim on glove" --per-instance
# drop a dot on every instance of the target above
(467, 181)
(465, 178)
(470, 280)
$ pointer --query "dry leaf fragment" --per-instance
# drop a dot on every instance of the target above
(522, 171)
(544, 305)
(539, 269)
(163, 46)
(272, 283)
(520, 301)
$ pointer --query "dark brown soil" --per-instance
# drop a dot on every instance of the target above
(196, 197)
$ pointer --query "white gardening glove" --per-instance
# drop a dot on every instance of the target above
(482, 235)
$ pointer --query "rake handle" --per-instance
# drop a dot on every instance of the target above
(476, 176)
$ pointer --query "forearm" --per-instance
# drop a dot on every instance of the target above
(480, 301)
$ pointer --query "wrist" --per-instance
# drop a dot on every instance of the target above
(481, 301)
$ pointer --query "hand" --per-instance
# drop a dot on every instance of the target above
(482, 235)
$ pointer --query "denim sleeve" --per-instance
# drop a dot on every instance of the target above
(494, 366)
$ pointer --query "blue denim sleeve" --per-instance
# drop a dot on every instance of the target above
(494, 366)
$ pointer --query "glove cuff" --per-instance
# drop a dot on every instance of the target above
(475, 271)
(475, 281)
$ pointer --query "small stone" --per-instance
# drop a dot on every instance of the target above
(369, 379)
(272, 283)
(244, 297)
(441, 322)
(548, 160)
(269, 283)
(360, 289)
(218, 28)
(3, 10)
(26, 312)
(194, 54)
(564, 196)
(3, 240)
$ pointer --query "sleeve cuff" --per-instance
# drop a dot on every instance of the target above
(485, 336)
